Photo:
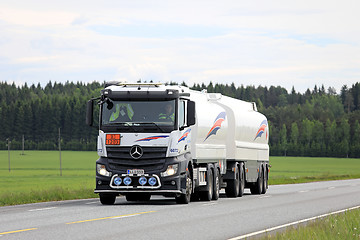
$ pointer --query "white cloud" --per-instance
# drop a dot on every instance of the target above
(300, 43)
(28, 18)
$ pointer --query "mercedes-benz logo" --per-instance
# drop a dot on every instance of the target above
(136, 152)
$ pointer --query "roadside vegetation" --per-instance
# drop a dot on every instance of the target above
(336, 227)
(317, 123)
(35, 176)
(289, 170)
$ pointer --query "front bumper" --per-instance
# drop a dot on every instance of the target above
(168, 186)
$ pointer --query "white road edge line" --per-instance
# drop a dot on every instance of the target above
(266, 196)
(91, 202)
(304, 191)
(290, 224)
(209, 204)
(124, 217)
(41, 209)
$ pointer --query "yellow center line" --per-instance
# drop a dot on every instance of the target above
(23, 230)
(96, 219)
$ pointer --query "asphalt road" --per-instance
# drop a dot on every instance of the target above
(162, 218)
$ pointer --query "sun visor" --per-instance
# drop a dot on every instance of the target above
(141, 95)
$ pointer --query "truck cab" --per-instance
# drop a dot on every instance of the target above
(156, 139)
(143, 143)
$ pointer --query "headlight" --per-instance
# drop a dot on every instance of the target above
(101, 169)
(171, 170)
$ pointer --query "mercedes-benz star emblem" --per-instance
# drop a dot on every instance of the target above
(136, 152)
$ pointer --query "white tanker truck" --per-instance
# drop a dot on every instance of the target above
(169, 140)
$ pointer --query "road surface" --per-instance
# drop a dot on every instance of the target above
(162, 218)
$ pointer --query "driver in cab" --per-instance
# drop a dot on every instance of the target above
(168, 114)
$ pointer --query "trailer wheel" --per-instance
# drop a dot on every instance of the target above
(265, 185)
(242, 180)
(185, 198)
(216, 192)
(207, 195)
(107, 199)
(257, 188)
(232, 188)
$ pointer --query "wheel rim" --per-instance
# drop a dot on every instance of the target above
(242, 183)
(188, 185)
(210, 187)
(261, 179)
(217, 183)
(265, 182)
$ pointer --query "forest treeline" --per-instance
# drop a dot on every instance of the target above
(319, 122)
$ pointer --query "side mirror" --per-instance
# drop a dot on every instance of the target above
(190, 113)
(89, 112)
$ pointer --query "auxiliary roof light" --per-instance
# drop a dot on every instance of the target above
(117, 181)
(142, 181)
(127, 181)
(152, 181)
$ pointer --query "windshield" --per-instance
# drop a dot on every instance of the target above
(157, 116)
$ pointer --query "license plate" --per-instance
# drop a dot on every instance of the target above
(135, 171)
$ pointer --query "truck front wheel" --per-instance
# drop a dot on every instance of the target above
(185, 198)
(107, 199)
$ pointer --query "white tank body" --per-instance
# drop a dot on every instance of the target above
(227, 128)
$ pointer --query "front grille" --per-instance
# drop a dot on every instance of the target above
(153, 159)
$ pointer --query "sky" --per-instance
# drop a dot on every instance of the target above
(284, 43)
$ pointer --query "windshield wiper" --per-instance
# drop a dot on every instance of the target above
(122, 125)
(152, 123)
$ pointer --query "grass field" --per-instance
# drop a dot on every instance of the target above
(336, 227)
(287, 170)
(35, 176)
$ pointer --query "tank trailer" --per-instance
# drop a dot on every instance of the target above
(156, 139)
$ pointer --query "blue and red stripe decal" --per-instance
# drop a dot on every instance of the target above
(147, 139)
(184, 136)
(217, 124)
(262, 129)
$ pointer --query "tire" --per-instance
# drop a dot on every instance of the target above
(242, 180)
(265, 181)
(216, 192)
(185, 198)
(107, 199)
(208, 195)
(257, 188)
(232, 188)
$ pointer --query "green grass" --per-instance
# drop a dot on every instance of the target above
(35, 176)
(336, 227)
(288, 170)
